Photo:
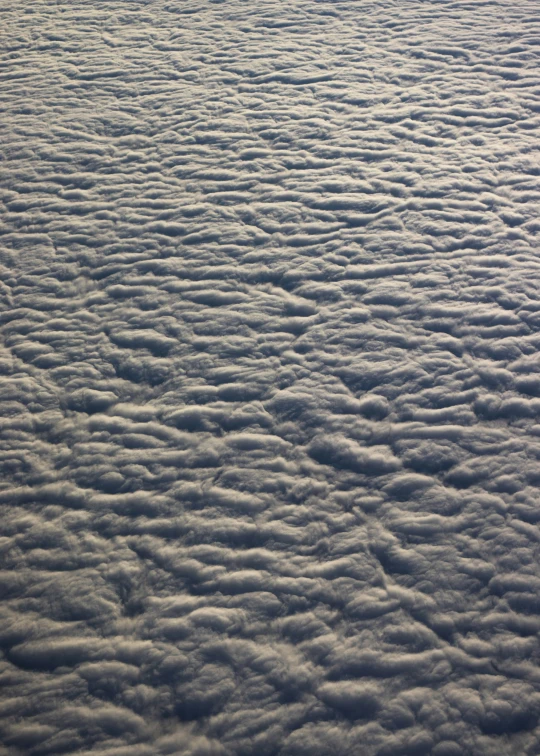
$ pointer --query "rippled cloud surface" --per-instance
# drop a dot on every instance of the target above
(269, 378)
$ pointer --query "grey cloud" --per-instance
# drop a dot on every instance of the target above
(269, 401)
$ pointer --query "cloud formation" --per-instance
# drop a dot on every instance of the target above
(269, 392)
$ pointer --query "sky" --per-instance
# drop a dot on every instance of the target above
(269, 378)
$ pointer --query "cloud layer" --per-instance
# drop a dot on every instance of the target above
(269, 388)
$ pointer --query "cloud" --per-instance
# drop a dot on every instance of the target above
(269, 395)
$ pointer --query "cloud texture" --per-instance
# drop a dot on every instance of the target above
(269, 378)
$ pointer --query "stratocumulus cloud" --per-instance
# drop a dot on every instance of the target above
(269, 378)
